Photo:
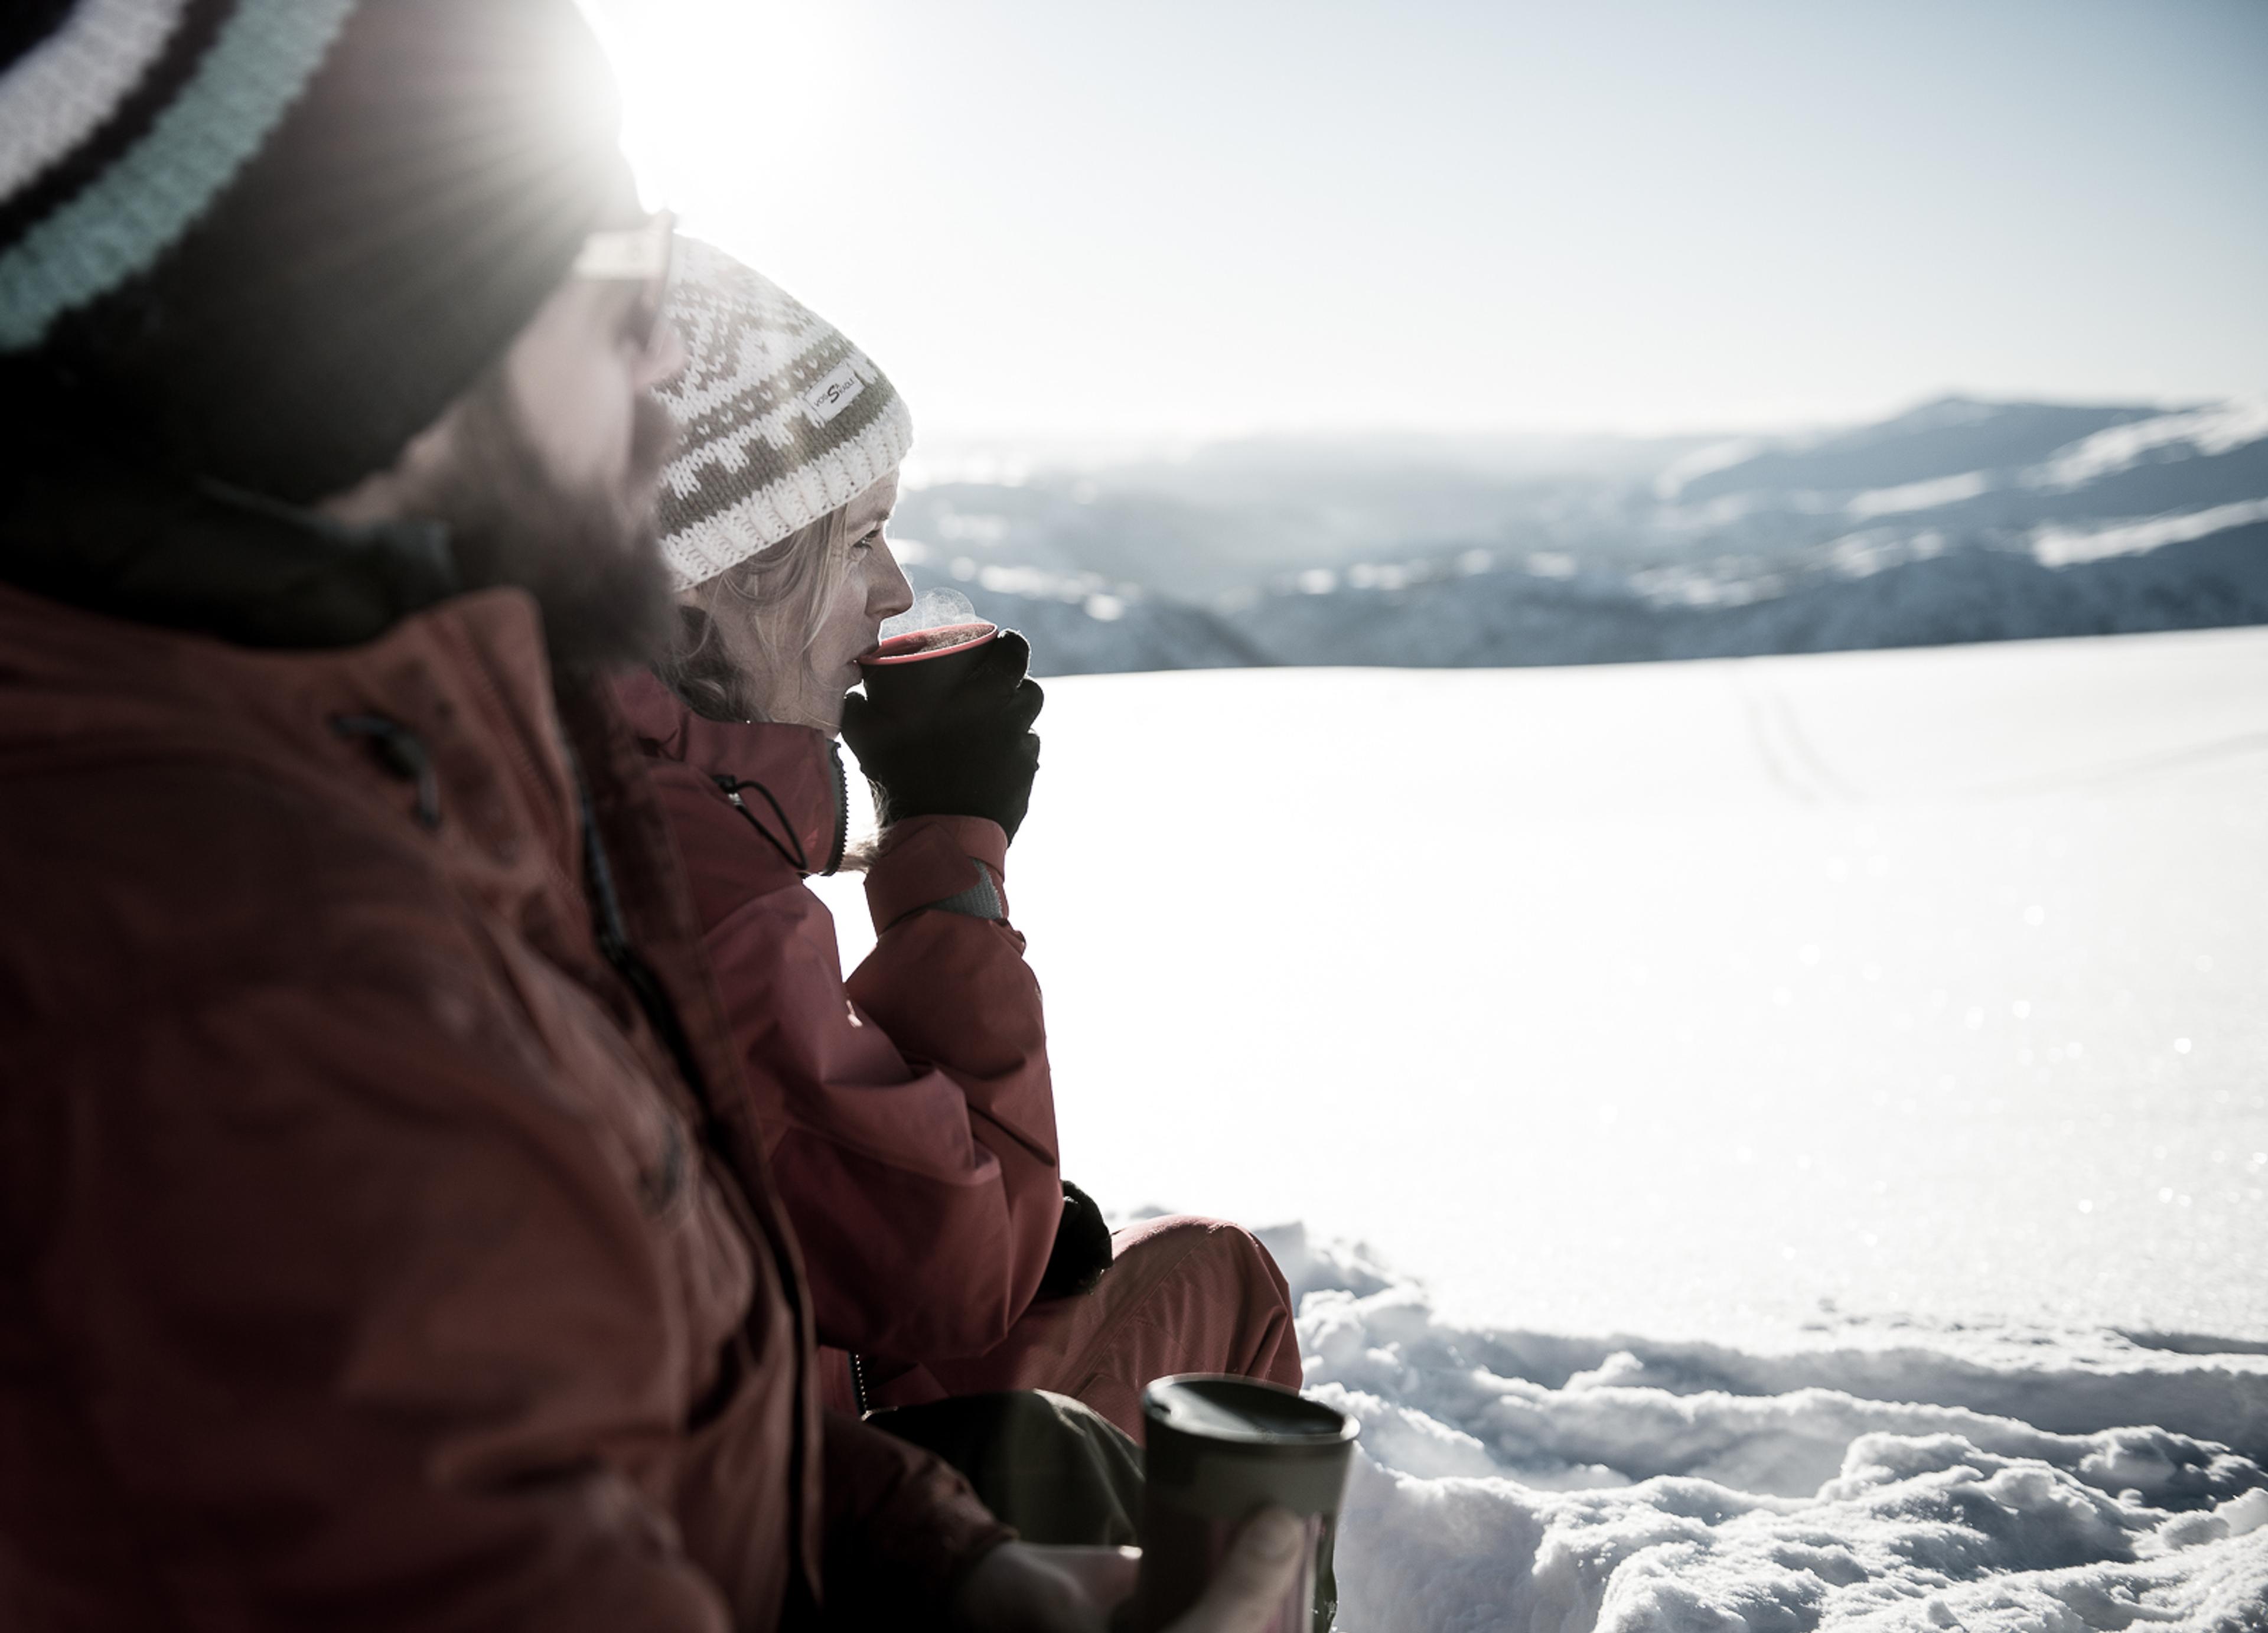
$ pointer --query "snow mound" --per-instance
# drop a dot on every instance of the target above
(1887, 1478)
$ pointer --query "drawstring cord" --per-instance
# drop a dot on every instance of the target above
(733, 787)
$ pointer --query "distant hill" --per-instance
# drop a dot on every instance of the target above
(1958, 521)
(1938, 440)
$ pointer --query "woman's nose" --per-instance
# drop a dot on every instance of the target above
(892, 594)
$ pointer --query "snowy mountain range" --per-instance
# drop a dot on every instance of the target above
(1958, 521)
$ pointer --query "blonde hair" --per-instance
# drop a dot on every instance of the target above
(789, 586)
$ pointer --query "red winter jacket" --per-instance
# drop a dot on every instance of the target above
(372, 1254)
(907, 1112)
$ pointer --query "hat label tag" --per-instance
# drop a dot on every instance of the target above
(834, 394)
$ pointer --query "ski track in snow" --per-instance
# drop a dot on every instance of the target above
(1884, 1479)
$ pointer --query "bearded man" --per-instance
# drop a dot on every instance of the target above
(384, 1242)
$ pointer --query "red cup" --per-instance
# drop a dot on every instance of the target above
(910, 673)
(923, 645)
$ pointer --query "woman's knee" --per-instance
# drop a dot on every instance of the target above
(1216, 1252)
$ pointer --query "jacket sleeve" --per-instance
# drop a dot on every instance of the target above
(910, 1116)
(902, 1528)
(363, 1320)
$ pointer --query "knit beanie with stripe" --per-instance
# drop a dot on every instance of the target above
(780, 419)
(265, 242)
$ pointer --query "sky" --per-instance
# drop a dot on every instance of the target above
(1193, 219)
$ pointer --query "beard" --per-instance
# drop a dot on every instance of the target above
(592, 558)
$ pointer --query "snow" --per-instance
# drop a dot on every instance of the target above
(1529, 1481)
(2207, 430)
(1918, 496)
(1809, 1112)
(1519, 1479)
(2054, 546)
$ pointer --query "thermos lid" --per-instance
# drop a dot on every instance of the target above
(1243, 1409)
(1224, 1445)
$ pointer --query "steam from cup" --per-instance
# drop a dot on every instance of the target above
(935, 608)
(941, 624)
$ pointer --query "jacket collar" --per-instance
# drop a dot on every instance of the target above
(176, 553)
(788, 779)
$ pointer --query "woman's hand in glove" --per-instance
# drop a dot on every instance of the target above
(966, 750)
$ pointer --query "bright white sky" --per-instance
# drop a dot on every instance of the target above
(1193, 217)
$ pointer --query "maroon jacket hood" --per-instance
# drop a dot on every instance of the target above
(787, 780)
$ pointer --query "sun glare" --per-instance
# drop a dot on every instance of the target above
(719, 94)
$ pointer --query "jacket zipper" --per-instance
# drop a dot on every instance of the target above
(842, 809)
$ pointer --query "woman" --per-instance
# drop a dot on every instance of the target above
(908, 1112)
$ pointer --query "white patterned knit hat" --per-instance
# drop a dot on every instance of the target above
(781, 419)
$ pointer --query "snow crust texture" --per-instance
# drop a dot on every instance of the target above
(1550, 1484)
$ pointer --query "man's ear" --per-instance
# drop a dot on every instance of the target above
(392, 494)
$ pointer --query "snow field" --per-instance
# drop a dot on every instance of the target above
(1712, 999)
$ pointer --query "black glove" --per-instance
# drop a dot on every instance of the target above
(1082, 1251)
(966, 750)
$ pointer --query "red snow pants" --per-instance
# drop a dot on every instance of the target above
(1182, 1295)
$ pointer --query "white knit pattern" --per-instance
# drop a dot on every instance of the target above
(761, 459)
(769, 514)
(58, 93)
